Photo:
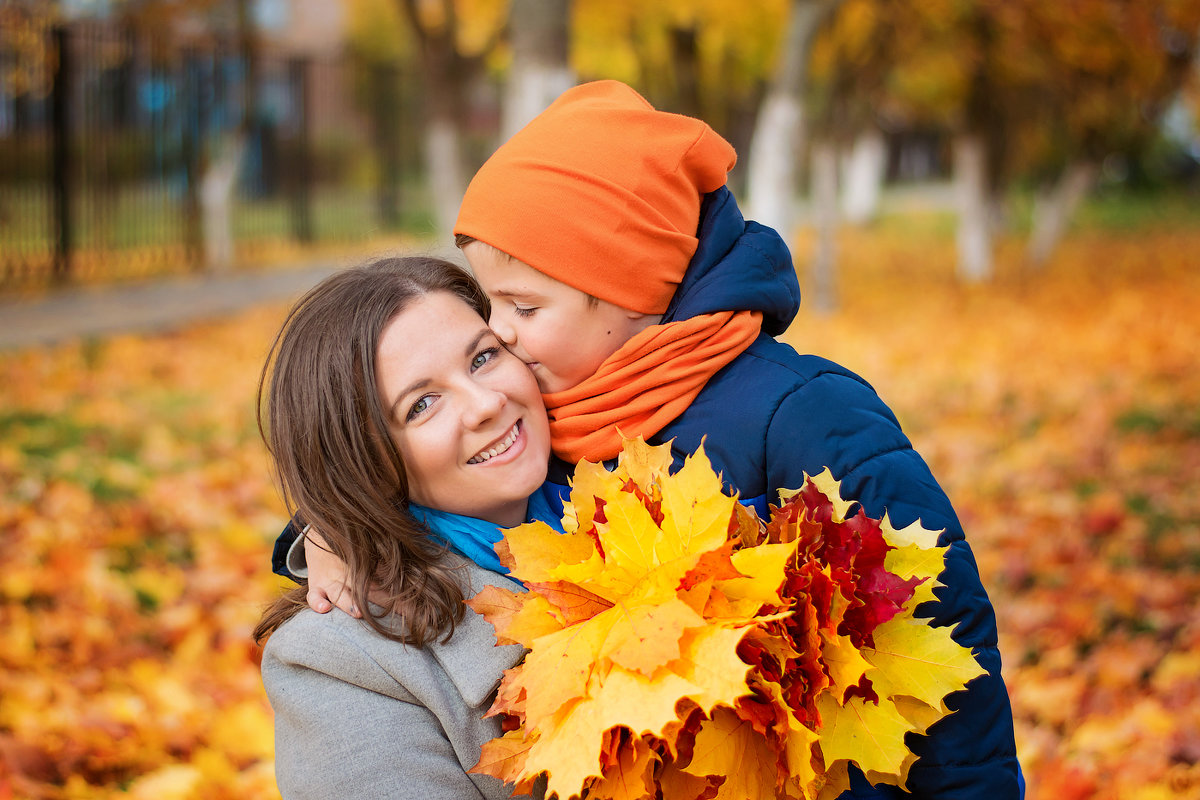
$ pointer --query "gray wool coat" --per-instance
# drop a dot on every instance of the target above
(361, 716)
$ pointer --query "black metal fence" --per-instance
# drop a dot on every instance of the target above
(112, 148)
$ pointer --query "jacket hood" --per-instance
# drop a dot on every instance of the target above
(738, 266)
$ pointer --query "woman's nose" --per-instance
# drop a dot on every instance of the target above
(483, 405)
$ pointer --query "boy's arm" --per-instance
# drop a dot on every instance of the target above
(302, 555)
(283, 545)
(837, 421)
(327, 587)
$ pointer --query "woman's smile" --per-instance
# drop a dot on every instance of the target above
(504, 447)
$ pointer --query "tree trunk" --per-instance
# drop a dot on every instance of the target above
(825, 218)
(685, 68)
(779, 133)
(218, 180)
(539, 73)
(864, 171)
(974, 237)
(443, 159)
(216, 205)
(771, 182)
(1053, 210)
(447, 74)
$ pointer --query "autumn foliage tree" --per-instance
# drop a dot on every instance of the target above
(1030, 91)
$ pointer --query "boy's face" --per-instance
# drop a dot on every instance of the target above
(561, 333)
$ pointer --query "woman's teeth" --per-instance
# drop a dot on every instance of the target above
(501, 447)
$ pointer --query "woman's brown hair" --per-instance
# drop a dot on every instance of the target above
(320, 415)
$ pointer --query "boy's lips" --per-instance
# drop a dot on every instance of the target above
(505, 445)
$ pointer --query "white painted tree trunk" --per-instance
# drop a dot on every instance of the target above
(825, 217)
(974, 237)
(530, 88)
(772, 170)
(446, 182)
(1053, 210)
(539, 73)
(216, 205)
(863, 173)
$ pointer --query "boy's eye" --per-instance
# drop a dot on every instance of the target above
(524, 312)
(418, 408)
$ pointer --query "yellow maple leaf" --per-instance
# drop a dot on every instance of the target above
(630, 777)
(763, 568)
(916, 554)
(696, 512)
(537, 552)
(560, 665)
(590, 482)
(569, 745)
(504, 757)
(920, 715)
(797, 745)
(708, 672)
(727, 745)
(913, 534)
(710, 663)
(918, 660)
(869, 734)
(830, 784)
(629, 539)
(646, 637)
(644, 464)
(844, 663)
(516, 617)
(831, 488)
(680, 785)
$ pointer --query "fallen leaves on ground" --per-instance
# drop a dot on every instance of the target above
(136, 513)
(1059, 411)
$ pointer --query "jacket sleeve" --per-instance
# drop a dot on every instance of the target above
(347, 726)
(283, 543)
(836, 420)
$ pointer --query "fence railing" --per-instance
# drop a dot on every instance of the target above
(111, 157)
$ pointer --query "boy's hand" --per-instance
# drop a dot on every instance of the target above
(326, 578)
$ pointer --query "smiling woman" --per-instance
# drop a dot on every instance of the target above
(406, 434)
(465, 413)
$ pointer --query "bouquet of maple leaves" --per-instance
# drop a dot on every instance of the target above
(680, 648)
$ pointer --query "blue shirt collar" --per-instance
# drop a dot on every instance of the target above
(475, 538)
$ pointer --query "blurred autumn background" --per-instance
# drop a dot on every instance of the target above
(993, 208)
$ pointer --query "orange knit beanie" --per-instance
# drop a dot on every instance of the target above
(602, 192)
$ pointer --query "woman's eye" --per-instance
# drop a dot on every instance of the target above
(418, 408)
(483, 357)
(524, 312)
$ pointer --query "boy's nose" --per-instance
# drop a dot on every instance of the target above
(503, 329)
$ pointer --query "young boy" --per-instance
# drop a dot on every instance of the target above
(622, 272)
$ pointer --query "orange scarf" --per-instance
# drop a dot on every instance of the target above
(646, 384)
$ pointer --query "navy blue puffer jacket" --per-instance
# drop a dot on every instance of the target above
(773, 415)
